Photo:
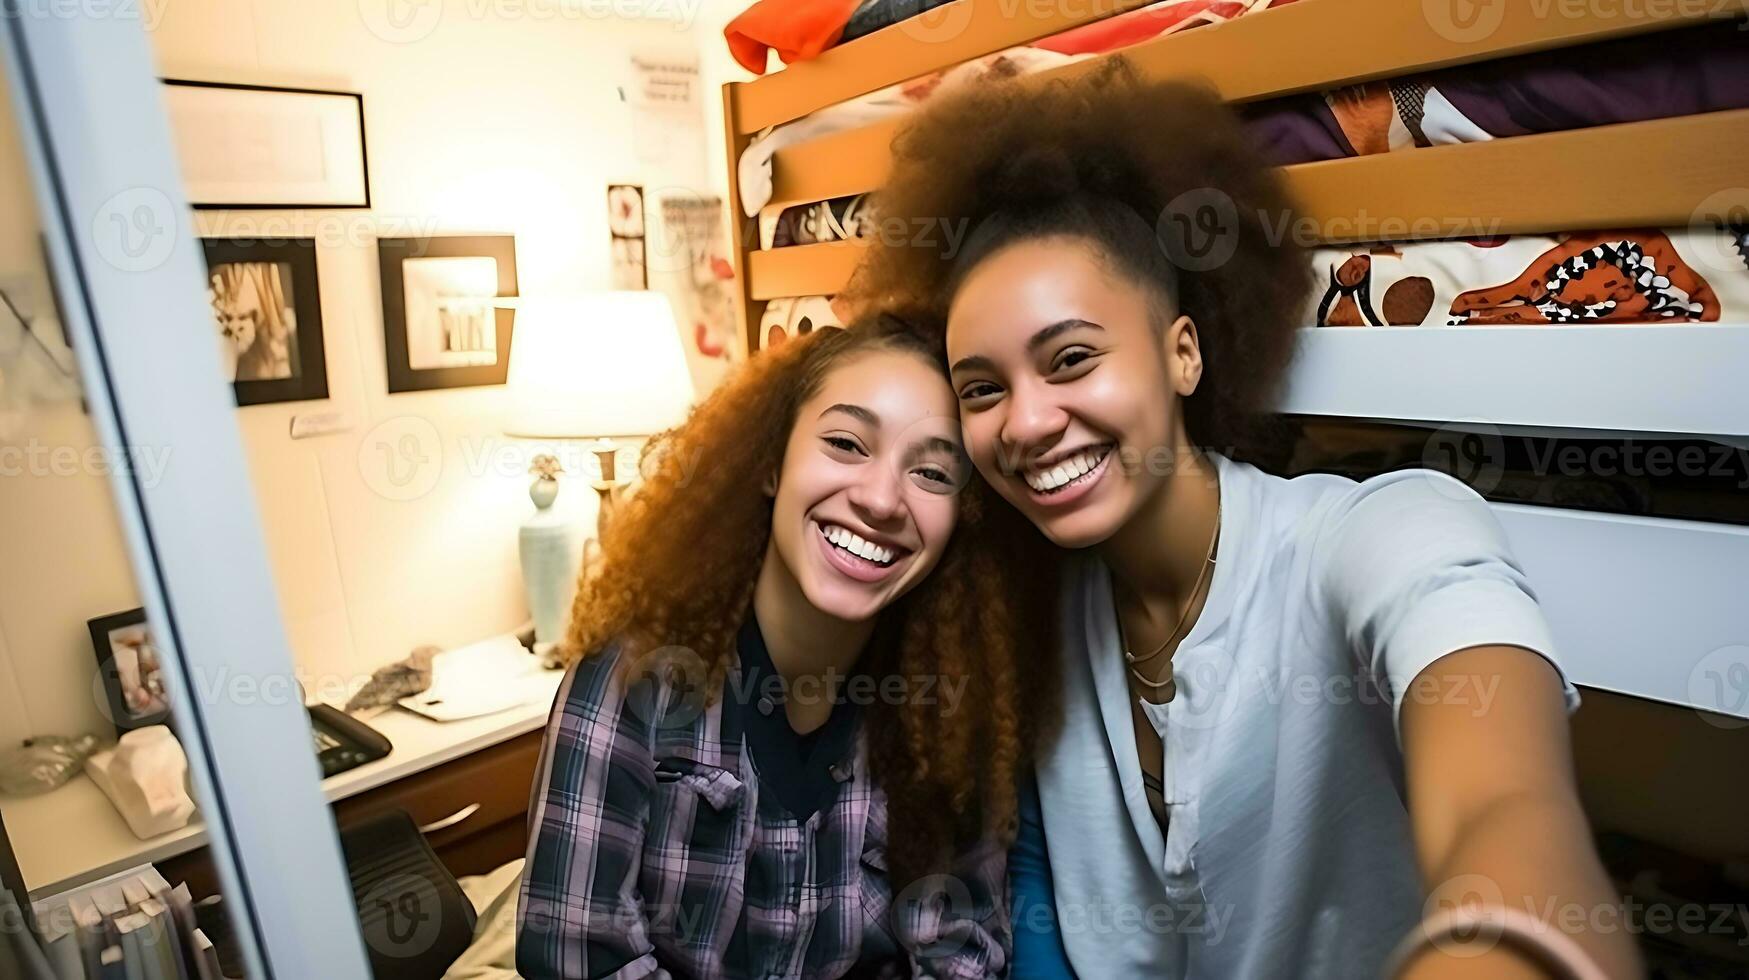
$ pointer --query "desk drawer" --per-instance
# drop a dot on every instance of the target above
(485, 793)
(480, 799)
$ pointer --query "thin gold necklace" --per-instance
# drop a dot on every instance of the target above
(1130, 659)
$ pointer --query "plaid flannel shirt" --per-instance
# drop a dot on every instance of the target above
(653, 853)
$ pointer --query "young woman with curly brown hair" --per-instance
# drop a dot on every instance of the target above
(796, 707)
(1298, 714)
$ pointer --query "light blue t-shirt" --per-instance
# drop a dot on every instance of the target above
(1288, 849)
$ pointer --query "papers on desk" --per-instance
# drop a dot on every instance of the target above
(480, 679)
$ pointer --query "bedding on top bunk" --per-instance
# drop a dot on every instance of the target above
(873, 15)
(1653, 76)
(837, 220)
(1149, 22)
(1142, 24)
(1645, 275)
(753, 169)
(1638, 275)
(799, 30)
(790, 317)
(1649, 76)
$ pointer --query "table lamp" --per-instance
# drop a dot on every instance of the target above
(598, 366)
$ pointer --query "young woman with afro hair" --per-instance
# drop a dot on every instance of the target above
(789, 740)
(1304, 720)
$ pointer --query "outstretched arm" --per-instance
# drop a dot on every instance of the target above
(1420, 577)
(1496, 813)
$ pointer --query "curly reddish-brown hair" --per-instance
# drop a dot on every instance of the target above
(681, 555)
(1161, 178)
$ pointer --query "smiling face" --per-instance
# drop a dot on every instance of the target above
(866, 497)
(1070, 386)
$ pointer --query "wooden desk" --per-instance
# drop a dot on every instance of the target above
(72, 835)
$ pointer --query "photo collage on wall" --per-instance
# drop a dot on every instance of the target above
(443, 326)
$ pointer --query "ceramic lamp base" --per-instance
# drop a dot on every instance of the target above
(548, 550)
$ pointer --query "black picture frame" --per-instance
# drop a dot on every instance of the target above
(310, 380)
(357, 100)
(391, 253)
(125, 718)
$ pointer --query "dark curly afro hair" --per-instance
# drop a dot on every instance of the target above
(1160, 178)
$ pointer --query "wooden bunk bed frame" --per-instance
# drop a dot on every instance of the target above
(1642, 606)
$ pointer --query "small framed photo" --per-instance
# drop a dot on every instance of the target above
(130, 669)
(267, 313)
(625, 228)
(257, 146)
(442, 327)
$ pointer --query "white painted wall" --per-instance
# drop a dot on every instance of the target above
(491, 117)
(717, 68)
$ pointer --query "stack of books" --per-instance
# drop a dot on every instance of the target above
(131, 926)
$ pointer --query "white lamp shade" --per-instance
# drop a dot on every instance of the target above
(600, 364)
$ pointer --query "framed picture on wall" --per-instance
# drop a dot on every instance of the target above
(267, 313)
(259, 146)
(707, 295)
(625, 229)
(441, 325)
(128, 670)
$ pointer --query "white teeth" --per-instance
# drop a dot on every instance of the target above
(1068, 470)
(858, 545)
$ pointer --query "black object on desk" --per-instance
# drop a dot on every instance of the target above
(343, 742)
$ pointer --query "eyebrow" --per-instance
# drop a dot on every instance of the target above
(854, 411)
(1049, 333)
(933, 445)
(978, 362)
(938, 444)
